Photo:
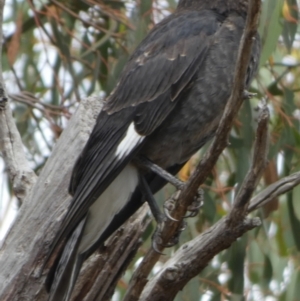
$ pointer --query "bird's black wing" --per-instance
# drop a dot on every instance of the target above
(161, 67)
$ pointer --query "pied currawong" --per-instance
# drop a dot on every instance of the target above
(167, 104)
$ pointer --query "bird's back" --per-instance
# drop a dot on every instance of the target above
(200, 106)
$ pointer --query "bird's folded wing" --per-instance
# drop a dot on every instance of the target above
(103, 157)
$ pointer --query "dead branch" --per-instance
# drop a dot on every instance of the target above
(26, 245)
(257, 167)
(274, 190)
(21, 175)
(102, 271)
(194, 256)
(203, 169)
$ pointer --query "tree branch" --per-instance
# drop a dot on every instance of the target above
(11, 146)
(203, 169)
(195, 255)
(258, 165)
(25, 247)
(102, 271)
(274, 190)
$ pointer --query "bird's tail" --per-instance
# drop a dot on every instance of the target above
(62, 276)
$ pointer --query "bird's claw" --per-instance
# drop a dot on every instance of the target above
(155, 248)
(169, 205)
(175, 238)
(157, 240)
(196, 204)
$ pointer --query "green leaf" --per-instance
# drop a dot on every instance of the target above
(190, 292)
(270, 27)
(268, 271)
(290, 26)
(295, 222)
(281, 245)
(236, 257)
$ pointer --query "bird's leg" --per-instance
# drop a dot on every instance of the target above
(147, 193)
(193, 210)
(169, 204)
(158, 215)
(147, 164)
(197, 203)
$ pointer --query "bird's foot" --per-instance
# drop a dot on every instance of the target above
(157, 241)
(174, 240)
(248, 95)
(194, 208)
(169, 206)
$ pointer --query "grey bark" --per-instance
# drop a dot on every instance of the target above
(11, 147)
(39, 217)
(25, 248)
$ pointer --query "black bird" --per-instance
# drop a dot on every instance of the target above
(166, 105)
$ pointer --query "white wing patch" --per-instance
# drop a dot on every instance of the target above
(129, 142)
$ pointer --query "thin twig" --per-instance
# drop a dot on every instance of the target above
(35, 103)
(258, 165)
(274, 190)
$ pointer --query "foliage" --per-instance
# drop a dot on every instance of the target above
(57, 52)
